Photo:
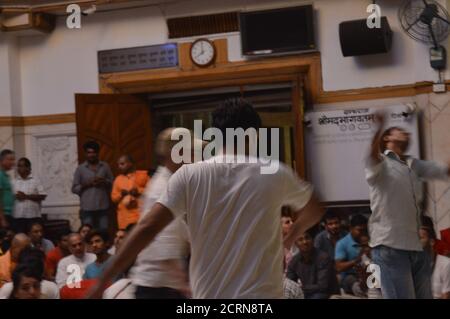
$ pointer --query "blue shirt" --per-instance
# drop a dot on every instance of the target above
(94, 270)
(347, 249)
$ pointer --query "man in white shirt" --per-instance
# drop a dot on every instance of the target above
(160, 270)
(71, 268)
(232, 213)
(118, 239)
(29, 195)
(396, 192)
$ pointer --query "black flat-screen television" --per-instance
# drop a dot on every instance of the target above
(277, 31)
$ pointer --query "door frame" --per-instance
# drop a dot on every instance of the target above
(302, 71)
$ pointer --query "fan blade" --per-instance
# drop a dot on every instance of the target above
(411, 25)
(426, 4)
(437, 16)
(432, 36)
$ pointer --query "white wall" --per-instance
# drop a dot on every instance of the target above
(7, 68)
(54, 67)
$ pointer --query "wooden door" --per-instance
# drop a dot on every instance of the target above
(120, 123)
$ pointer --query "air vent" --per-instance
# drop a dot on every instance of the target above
(202, 25)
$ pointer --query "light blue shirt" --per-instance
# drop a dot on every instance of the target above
(94, 270)
(347, 249)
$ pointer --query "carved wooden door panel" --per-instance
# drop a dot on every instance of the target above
(120, 123)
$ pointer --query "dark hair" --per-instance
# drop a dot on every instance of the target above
(30, 225)
(32, 257)
(5, 153)
(235, 113)
(84, 225)
(129, 228)
(286, 211)
(151, 172)
(329, 214)
(103, 234)
(62, 233)
(428, 226)
(26, 161)
(387, 132)
(91, 145)
(310, 232)
(21, 271)
(358, 220)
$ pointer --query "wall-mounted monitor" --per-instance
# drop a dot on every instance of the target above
(277, 31)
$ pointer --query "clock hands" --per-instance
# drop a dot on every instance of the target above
(202, 53)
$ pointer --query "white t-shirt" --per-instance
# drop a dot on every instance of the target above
(49, 290)
(154, 265)
(440, 281)
(233, 215)
(121, 289)
(64, 271)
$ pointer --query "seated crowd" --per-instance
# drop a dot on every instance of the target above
(335, 263)
(331, 260)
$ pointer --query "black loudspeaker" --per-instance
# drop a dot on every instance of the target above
(358, 39)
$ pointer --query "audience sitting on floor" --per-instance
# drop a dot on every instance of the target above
(326, 240)
(348, 253)
(286, 223)
(440, 279)
(71, 268)
(314, 268)
(8, 261)
(84, 230)
(26, 283)
(99, 242)
(36, 234)
(119, 237)
(56, 254)
(33, 258)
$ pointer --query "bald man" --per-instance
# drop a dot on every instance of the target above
(127, 188)
(72, 267)
(160, 270)
(8, 261)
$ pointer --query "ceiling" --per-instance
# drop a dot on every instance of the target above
(59, 6)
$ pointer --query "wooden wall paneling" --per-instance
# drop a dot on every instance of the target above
(298, 113)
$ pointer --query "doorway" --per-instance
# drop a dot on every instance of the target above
(272, 102)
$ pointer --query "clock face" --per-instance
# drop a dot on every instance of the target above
(203, 52)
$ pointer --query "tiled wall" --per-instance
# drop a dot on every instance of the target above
(6, 137)
(436, 146)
